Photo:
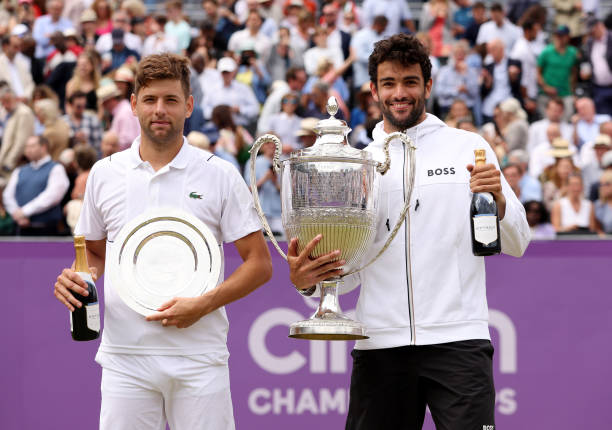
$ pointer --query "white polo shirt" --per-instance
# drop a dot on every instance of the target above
(123, 186)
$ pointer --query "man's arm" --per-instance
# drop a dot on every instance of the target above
(56, 188)
(255, 270)
(69, 282)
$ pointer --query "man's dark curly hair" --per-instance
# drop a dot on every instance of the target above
(403, 49)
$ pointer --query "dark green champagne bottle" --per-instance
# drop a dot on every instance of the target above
(85, 321)
(484, 221)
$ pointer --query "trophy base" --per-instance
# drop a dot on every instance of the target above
(332, 327)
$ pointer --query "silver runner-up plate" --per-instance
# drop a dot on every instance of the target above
(161, 254)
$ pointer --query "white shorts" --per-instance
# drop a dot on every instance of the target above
(141, 392)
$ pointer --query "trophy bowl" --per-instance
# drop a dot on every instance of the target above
(330, 189)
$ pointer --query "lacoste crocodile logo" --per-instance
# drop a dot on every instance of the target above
(194, 195)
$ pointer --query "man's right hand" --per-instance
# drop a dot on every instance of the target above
(67, 283)
(304, 271)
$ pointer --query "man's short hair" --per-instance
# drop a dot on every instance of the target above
(403, 49)
(528, 24)
(556, 100)
(292, 73)
(497, 7)
(85, 156)
(42, 140)
(163, 66)
(76, 95)
(380, 20)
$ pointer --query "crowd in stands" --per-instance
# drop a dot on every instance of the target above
(534, 80)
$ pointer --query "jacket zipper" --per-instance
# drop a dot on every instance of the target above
(407, 253)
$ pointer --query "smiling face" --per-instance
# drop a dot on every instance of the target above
(161, 108)
(401, 94)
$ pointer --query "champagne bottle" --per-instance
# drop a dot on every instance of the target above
(484, 221)
(85, 321)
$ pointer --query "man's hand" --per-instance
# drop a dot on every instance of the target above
(304, 271)
(180, 311)
(487, 179)
(67, 283)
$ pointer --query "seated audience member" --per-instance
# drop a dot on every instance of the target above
(586, 121)
(307, 134)
(598, 52)
(593, 170)
(606, 165)
(538, 220)
(587, 152)
(234, 140)
(17, 128)
(252, 72)
(85, 157)
(86, 78)
(317, 107)
(603, 206)
(7, 225)
(268, 186)
(85, 127)
(542, 155)
(514, 174)
(531, 188)
(120, 20)
(159, 41)
(556, 177)
(515, 126)
(286, 123)
(573, 213)
(56, 130)
(120, 54)
(458, 110)
(313, 56)
(109, 144)
(538, 129)
(15, 68)
(124, 123)
(35, 190)
(457, 80)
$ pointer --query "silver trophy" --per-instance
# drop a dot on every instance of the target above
(331, 189)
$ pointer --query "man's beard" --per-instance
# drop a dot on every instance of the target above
(161, 140)
(412, 119)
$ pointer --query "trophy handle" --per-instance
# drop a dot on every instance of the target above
(276, 165)
(409, 149)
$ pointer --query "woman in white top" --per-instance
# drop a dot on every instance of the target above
(573, 213)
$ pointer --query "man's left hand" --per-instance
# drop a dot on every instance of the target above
(180, 312)
(487, 179)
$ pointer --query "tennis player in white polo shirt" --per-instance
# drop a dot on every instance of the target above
(172, 366)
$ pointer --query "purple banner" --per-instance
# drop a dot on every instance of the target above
(550, 321)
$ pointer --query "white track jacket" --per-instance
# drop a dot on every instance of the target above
(428, 287)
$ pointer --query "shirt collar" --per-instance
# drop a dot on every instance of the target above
(37, 164)
(178, 162)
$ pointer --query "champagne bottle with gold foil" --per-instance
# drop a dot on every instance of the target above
(484, 222)
(85, 321)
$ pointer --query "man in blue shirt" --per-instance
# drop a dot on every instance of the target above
(46, 25)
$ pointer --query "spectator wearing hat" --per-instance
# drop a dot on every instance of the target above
(598, 54)
(120, 54)
(306, 134)
(120, 20)
(603, 206)
(593, 170)
(556, 176)
(362, 45)
(34, 191)
(541, 157)
(73, 41)
(159, 41)
(14, 68)
(557, 70)
(124, 79)
(499, 27)
(586, 121)
(252, 37)
(88, 28)
(124, 123)
(238, 96)
(587, 152)
(176, 26)
(48, 24)
(17, 128)
(85, 127)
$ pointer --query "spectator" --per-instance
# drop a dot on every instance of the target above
(88, 28)
(501, 79)
(515, 127)
(313, 56)
(573, 213)
(556, 176)
(238, 96)
(15, 68)
(252, 72)
(120, 54)
(461, 18)
(436, 21)
(586, 121)
(7, 225)
(56, 131)
(587, 152)
(124, 79)
(282, 56)
(223, 22)
(603, 206)
(252, 38)
(457, 81)
(318, 104)
(568, 14)
(517, 8)
(46, 25)
(307, 134)
(457, 111)
(268, 187)
(512, 173)
(598, 53)
(199, 140)
(85, 127)
(208, 77)
(86, 78)
(123, 122)
(109, 144)
(234, 140)
(60, 54)
(336, 38)
(397, 12)
(85, 157)
(286, 123)
(35, 190)
(526, 51)
(176, 27)
(541, 157)
(301, 34)
(539, 221)
(498, 28)
(104, 23)
(121, 21)
(557, 70)
(593, 170)
(269, 25)
(362, 45)
(17, 128)
(159, 41)
(479, 17)
(531, 188)
(295, 79)
(538, 129)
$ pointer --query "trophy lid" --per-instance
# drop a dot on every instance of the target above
(331, 138)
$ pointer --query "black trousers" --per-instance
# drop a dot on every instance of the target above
(391, 387)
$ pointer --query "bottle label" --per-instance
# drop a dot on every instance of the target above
(485, 228)
(92, 311)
